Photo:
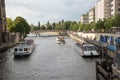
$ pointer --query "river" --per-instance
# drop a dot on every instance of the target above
(49, 61)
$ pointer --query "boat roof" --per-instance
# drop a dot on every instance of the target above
(88, 44)
(23, 45)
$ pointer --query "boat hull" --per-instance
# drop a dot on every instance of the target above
(86, 53)
(24, 49)
(60, 40)
(90, 54)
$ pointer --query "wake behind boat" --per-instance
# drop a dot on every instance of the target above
(24, 48)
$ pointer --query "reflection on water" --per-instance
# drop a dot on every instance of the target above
(49, 61)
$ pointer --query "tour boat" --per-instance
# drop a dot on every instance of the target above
(24, 48)
(87, 50)
(60, 40)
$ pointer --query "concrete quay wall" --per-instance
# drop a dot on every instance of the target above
(12, 39)
(97, 35)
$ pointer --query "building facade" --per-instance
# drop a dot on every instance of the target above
(3, 29)
(84, 19)
(2, 16)
(92, 15)
(115, 7)
(102, 9)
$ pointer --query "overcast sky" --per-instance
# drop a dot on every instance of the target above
(44, 10)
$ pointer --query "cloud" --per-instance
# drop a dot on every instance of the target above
(44, 10)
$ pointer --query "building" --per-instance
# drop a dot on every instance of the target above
(92, 15)
(115, 7)
(2, 22)
(102, 9)
(84, 19)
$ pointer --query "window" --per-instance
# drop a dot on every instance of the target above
(89, 48)
(20, 49)
(16, 49)
(118, 9)
(118, 4)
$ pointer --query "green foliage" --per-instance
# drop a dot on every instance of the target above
(21, 25)
(35, 28)
(9, 24)
(53, 26)
(100, 24)
(116, 20)
(87, 27)
(39, 25)
(58, 27)
(109, 23)
(74, 26)
(18, 25)
(49, 27)
(43, 27)
(66, 25)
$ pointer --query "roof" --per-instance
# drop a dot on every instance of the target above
(96, 43)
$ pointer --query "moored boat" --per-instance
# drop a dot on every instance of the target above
(24, 48)
(87, 50)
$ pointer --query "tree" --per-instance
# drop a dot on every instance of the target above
(87, 27)
(43, 27)
(49, 27)
(67, 25)
(116, 20)
(109, 23)
(20, 25)
(53, 26)
(58, 27)
(100, 25)
(9, 24)
(39, 25)
(35, 28)
(80, 27)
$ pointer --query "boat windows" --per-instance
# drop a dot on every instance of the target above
(25, 49)
(89, 48)
(16, 49)
(20, 49)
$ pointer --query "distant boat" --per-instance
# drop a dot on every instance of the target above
(24, 48)
(60, 40)
(31, 35)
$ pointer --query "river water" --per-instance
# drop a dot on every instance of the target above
(49, 61)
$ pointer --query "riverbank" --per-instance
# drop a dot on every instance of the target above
(104, 66)
(5, 47)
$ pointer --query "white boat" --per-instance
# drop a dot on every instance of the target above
(60, 40)
(89, 50)
(24, 48)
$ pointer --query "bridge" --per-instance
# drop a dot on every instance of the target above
(48, 32)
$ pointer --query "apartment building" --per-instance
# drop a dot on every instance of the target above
(2, 16)
(84, 19)
(102, 9)
(115, 7)
(92, 15)
(3, 29)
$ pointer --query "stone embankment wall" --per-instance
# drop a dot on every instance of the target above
(97, 35)
(11, 39)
